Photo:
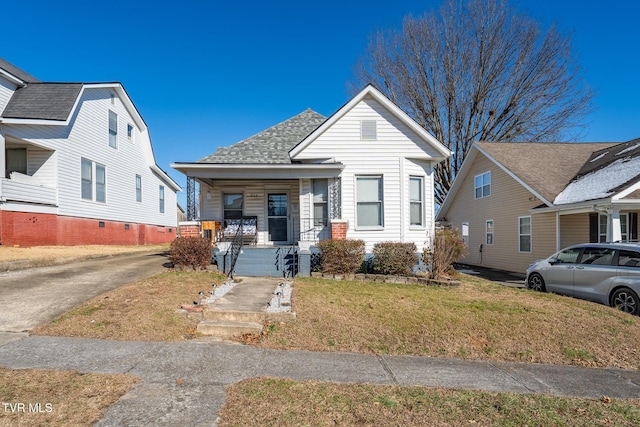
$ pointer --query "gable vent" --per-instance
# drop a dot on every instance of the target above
(368, 130)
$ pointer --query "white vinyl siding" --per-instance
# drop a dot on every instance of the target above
(113, 129)
(57, 163)
(524, 234)
(396, 154)
(416, 193)
(370, 205)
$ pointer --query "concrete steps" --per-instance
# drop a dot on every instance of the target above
(234, 316)
(228, 329)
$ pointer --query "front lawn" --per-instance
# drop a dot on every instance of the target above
(479, 320)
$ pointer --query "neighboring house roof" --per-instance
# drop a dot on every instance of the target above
(545, 167)
(270, 146)
(8, 68)
(43, 101)
(607, 171)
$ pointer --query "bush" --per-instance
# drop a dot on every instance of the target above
(194, 252)
(447, 248)
(341, 256)
(394, 258)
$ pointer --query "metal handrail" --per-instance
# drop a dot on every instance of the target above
(234, 250)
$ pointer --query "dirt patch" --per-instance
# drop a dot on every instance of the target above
(48, 255)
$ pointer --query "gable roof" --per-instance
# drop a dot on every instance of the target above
(543, 168)
(270, 146)
(11, 70)
(371, 91)
(43, 101)
(606, 172)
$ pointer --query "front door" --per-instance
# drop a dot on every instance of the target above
(278, 217)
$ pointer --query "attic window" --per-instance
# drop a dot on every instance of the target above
(368, 130)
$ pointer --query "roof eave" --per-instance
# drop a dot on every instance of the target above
(259, 171)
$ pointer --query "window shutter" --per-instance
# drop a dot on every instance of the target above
(633, 226)
(593, 227)
(368, 130)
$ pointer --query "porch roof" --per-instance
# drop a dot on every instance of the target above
(259, 171)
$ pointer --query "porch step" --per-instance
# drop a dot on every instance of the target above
(228, 329)
(261, 261)
(234, 316)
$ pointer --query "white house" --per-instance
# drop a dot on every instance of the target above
(366, 172)
(77, 166)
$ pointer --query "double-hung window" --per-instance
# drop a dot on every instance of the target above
(489, 233)
(161, 199)
(369, 201)
(232, 205)
(320, 202)
(482, 185)
(138, 188)
(129, 131)
(416, 192)
(93, 181)
(113, 129)
(524, 234)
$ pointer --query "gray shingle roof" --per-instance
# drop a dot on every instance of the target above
(43, 101)
(17, 72)
(270, 146)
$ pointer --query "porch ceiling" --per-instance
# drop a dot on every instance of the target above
(259, 171)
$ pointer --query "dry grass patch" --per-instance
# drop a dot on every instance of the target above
(277, 402)
(44, 255)
(58, 398)
(146, 310)
(480, 320)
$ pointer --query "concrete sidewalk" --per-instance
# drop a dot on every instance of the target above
(204, 368)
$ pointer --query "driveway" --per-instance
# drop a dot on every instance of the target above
(35, 296)
(507, 278)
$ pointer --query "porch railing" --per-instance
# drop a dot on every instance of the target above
(234, 251)
(314, 229)
(16, 190)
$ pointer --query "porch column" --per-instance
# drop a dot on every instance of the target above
(616, 232)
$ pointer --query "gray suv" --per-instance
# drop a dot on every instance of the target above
(608, 273)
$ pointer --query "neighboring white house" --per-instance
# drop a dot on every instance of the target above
(77, 166)
(366, 172)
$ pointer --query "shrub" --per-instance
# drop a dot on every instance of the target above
(447, 248)
(194, 252)
(341, 256)
(394, 258)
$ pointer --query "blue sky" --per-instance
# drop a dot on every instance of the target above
(210, 73)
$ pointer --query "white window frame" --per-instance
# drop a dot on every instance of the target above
(161, 198)
(489, 241)
(482, 185)
(320, 203)
(130, 131)
(624, 222)
(464, 231)
(420, 201)
(113, 131)
(603, 221)
(92, 181)
(138, 188)
(368, 130)
(380, 202)
(520, 234)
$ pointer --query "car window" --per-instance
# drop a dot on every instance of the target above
(629, 258)
(568, 256)
(597, 256)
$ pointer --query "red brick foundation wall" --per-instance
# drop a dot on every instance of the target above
(35, 229)
(189, 229)
(339, 230)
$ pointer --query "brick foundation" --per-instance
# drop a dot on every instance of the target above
(36, 229)
(339, 229)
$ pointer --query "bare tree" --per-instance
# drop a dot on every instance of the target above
(477, 70)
